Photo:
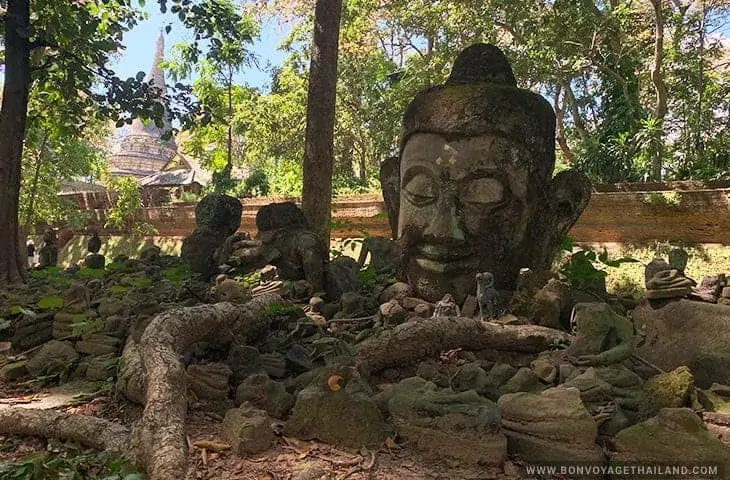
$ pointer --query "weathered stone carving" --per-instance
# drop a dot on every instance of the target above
(217, 217)
(473, 189)
(48, 254)
(94, 259)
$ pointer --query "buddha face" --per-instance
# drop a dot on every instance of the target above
(465, 205)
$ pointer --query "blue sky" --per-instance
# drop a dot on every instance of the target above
(140, 43)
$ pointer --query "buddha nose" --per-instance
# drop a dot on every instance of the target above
(445, 223)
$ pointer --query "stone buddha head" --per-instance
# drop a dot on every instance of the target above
(472, 188)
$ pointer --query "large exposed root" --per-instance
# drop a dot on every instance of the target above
(157, 441)
(417, 340)
(90, 431)
(160, 435)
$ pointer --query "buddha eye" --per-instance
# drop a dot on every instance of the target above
(421, 189)
(482, 191)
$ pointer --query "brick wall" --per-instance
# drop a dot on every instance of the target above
(697, 212)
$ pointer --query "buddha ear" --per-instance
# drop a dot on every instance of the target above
(571, 191)
(390, 185)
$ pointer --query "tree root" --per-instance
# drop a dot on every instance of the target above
(160, 435)
(417, 340)
(90, 431)
(157, 441)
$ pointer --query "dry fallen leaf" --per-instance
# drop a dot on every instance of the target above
(334, 383)
(302, 448)
(390, 443)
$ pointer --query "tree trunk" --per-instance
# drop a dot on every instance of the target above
(13, 114)
(318, 142)
(29, 217)
(560, 128)
(660, 89)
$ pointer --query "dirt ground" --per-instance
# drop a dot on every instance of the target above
(290, 459)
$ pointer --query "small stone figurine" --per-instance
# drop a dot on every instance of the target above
(446, 307)
(487, 295)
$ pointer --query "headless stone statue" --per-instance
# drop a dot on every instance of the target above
(472, 188)
(48, 254)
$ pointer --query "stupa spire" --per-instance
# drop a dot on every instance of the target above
(156, 76)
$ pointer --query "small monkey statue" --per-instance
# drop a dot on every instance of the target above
(487, 295)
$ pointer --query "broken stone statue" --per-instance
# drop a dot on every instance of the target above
(473, 182)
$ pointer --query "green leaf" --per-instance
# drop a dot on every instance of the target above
(50, 302)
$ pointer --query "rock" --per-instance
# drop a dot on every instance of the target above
(100, 368)
(550, 302)
(298, 359)
(342, 276)
(352, 305)
(150, 254)
(673, 389)
(391, 314)
(262, 392)
(551, 427)
(500, 374)
(725, 292)
(398, 291)
(75, 299)
(209, 381)
(228, 290)
(470, 307)
(268, 274)
(677, 335)
(337, 408)
(524, 380)
(566, 371)
(423, 310)
(440, 423)
(411, 303)
(592, 389)
(674, 435)
(471, 376)
(243, 360)
(274, 364)
(98, 344)
(544, 369)
(30, 332)
(721, 390)
(199, 251)
(13, 371)
(63, 324)
(248, 430)
(52, 357)
(305, 470)
(95, 261)
(109, 306)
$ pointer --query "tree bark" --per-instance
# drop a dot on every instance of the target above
(89, 431)
(560, 128)
(660, 89)
(318, 142)
(413, 341)
(13, 115)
